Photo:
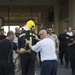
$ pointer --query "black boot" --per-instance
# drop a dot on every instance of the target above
(62, 62)
(66, 66)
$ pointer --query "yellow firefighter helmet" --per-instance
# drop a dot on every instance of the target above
(30, 24)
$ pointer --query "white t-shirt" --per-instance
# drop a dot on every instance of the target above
(70, 33)
(46, 48)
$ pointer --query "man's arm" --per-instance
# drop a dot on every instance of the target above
(70, 44)
(28, 42)
(36, 47)
(36, 37)
(16, 57)
(57, 44)
(18, 54)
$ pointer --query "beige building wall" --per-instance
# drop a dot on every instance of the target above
(56, 17)
(61, 15)
(64, 15)
(63, 24)
(72, 13)
(63, 19)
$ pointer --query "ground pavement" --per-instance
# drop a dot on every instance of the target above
(61, 70)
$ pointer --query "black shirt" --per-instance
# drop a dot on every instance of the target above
(63, 39)
(2, 37)
(72, 47)
(6, 50)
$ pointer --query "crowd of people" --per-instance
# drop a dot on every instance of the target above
(67, 48)
(18, 50)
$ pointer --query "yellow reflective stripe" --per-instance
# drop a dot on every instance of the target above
(33, 34)
(22, 49)
(22, 35)
(31, 39)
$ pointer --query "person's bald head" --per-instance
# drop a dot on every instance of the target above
(10, 35)
(43, 33)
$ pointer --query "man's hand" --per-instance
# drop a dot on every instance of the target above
(14, 61)
(74, 41)
(57, 50)
(36, 37)
(27, 41)
(28, 51)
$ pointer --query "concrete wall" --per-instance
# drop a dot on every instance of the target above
(69, 21)
(56, 17)
(61, 14)
(72, 13)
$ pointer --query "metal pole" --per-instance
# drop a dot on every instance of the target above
(8, 18)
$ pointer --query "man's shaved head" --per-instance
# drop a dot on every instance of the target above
(43, 33)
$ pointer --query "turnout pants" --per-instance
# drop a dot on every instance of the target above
(49, 67)
(6, 68)
(28, 64)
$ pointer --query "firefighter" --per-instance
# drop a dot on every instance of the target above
(27, 59)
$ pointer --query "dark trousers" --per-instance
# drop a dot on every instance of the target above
(63, 52)
(49, 67)
(6, 68)
(28, 64)
(72, 61)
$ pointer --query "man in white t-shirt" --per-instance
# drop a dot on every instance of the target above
(46, 46)
(70, 31)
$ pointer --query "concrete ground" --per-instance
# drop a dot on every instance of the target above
(61, 70)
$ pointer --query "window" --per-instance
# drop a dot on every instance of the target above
(6, 29)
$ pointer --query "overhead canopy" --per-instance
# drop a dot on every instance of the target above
(27, 2)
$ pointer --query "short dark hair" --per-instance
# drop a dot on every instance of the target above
(1, 29)
(10, 33)
(66, 28)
